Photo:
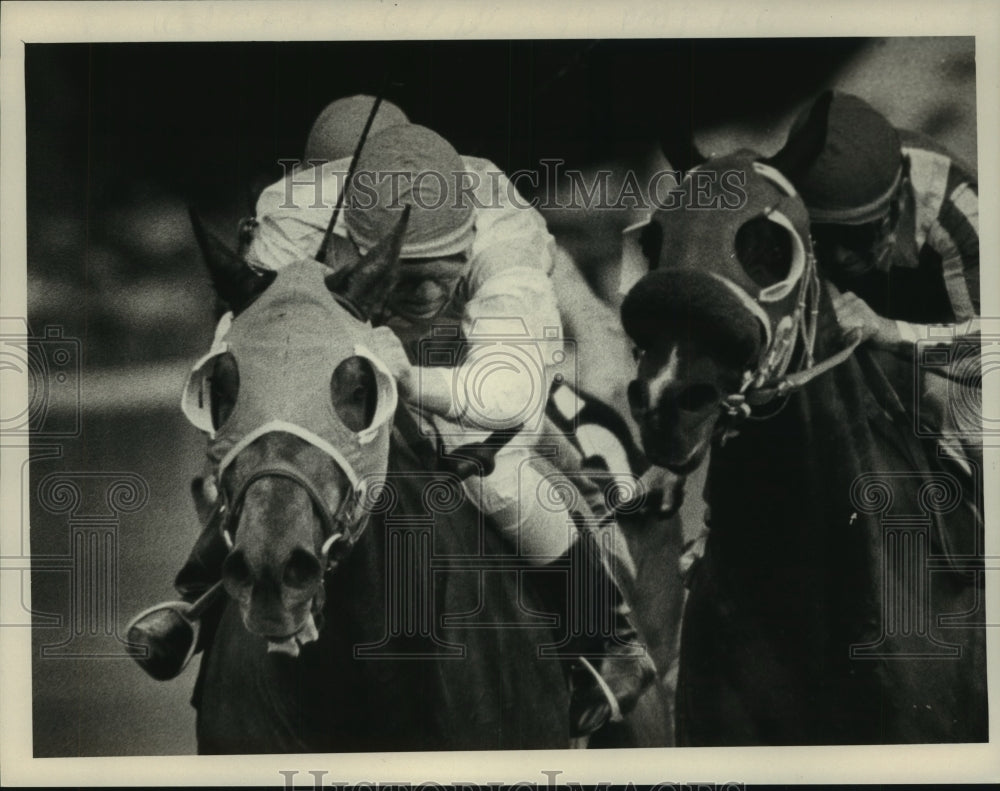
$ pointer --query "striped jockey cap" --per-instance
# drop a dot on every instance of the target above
(858, 171)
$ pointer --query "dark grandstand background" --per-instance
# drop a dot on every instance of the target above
(121, 138)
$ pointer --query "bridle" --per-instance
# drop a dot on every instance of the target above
(341, 528)
(771, 379)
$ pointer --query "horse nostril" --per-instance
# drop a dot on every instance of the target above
(637, 397)
(235, 570)
(697, 397)
(302, 570)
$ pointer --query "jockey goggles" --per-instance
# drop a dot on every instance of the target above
(449, 300)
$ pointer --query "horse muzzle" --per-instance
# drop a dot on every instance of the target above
(678, 459)
(283, 539)
(674, 438)
(276, 604)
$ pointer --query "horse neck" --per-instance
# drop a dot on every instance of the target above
(402, 563)
(795, 455)
(411, 457)
(359, 617)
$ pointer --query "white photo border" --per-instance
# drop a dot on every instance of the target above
(22, 22)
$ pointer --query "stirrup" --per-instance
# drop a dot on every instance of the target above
(593, 701)
(614, 710)
(587, 717)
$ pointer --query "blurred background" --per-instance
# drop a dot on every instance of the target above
(122, 138)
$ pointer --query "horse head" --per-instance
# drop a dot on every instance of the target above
(730, 299)
(799, 582)
(299, 410)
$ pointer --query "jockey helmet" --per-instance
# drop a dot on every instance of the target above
(336, 131)
(410, 165)
(858, 172)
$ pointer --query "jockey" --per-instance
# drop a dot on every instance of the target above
(335, 132)
(473, 290)
(895, 220)
(895, 223)
(334, 135)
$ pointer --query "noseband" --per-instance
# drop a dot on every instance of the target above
(341, 528)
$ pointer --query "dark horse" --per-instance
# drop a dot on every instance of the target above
(839, 597)
(353, 547)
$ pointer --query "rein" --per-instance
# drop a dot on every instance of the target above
(797, 380)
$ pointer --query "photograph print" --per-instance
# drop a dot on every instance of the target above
(500, 394)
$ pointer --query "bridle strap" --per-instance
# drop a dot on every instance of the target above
(795, 381)
(801, 378)
(805, 318)
(337, 526)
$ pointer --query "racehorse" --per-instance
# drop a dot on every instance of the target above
(337, 506)
(370, 605)
(838, 596)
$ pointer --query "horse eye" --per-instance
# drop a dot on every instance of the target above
(353, 393)
(764, 249)
(697, 397)
(224, 389)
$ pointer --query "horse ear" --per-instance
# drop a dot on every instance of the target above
(678, 145)
(651, 243)
(367, 285)
(235, 281)
(806, 142)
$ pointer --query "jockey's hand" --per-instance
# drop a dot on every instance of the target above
(389, 349)
(854, 313)
(664, 491)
